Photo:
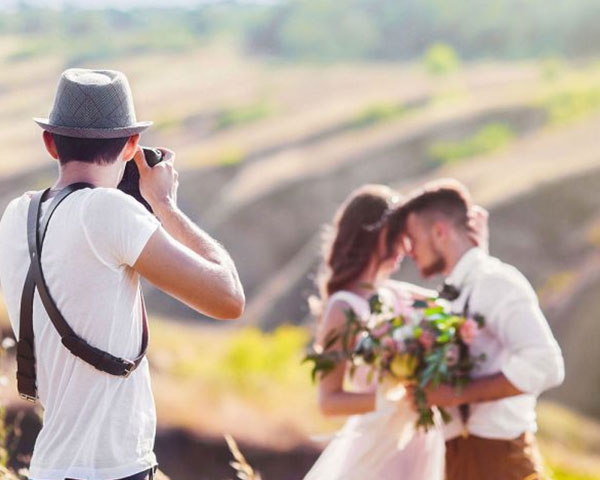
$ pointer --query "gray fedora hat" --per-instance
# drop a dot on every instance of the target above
(93, 104)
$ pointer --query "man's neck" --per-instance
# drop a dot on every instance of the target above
(97, 175)
(455, 253)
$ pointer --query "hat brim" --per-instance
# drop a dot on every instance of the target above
(76, 132)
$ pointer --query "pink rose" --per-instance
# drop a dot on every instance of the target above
(427, 339)
(389, 344)
(468, 330)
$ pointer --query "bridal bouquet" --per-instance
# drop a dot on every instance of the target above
(423, 345)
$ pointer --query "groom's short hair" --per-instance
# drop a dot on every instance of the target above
(445, 198)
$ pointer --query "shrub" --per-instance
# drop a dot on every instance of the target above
(233, 117)
(441, 59)
(377, 113)
(488, 139)
(572, 103)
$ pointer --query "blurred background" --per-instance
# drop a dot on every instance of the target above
(277, 110)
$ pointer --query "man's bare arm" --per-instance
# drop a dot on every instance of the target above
(484, 389)
(180, 258)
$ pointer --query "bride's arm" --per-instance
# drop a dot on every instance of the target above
(333, 399)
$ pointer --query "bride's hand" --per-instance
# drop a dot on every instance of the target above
(479, 232)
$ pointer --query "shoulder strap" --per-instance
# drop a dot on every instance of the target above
(26, 377)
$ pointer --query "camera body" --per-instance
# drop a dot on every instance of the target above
(130, 183)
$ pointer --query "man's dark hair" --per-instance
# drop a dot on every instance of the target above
(443, 198)
(102, 151)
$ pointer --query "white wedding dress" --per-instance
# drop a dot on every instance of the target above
(383, 444)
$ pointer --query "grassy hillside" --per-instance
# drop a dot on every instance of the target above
(267, 150)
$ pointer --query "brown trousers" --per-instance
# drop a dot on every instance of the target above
(476, 458)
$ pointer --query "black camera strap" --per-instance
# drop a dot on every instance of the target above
(99, 359)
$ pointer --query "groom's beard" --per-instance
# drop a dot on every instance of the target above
(436, 266)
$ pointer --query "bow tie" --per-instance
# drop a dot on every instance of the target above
(448, 292)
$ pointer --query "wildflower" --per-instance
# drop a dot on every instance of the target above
(468, 330)
(403, 366)
(403, 333)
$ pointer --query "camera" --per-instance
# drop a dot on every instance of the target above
(130, 183)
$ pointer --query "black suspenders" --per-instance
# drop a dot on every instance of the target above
(103, 361)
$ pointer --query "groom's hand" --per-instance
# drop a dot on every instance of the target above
(441, 396)
(483, 389)
(479, 232)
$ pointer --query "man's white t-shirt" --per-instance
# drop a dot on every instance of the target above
(95, 426)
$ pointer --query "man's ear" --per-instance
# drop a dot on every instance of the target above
(130, 147)
(49, 144)
(439, 231)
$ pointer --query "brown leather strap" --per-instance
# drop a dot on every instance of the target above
(99, 359)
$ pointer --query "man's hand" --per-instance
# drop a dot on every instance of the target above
(158, 184)
(479, 232)
(483, 389)
(183, 260)
(441, 396)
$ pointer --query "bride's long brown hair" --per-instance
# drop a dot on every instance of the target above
(349, 242)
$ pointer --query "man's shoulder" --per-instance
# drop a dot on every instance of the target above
(501, 277)
(16, 208)
(113, 202)
(113, 195)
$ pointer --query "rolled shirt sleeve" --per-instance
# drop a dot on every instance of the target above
(533, 360)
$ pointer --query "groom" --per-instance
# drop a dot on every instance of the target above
(495, 441)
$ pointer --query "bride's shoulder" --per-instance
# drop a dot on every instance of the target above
(344, 300)
(335, 310)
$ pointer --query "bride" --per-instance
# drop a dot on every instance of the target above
(378, 441)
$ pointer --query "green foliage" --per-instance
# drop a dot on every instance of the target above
(328, 30)
(30, 50)
(323, 30)
(572, 103)
(552, 68)
(488, 139)
(236, 116)
(564, 474)
(377, 113)
(254, 358)
(441, 59)
(167, 122)
(231, 156)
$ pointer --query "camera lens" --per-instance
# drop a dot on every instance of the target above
(152, 155)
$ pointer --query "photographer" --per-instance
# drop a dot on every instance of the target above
(99, 425)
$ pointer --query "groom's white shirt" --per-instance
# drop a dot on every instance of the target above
(516, 340)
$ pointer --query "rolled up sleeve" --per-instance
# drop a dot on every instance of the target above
(533, 362)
